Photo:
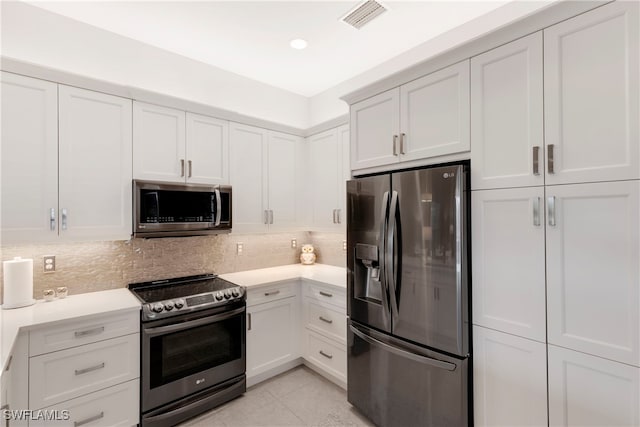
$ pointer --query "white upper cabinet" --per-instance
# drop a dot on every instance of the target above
(266, 169)
(590, 391)
(425, 118)
(506, 116)
(591, 78)
(29, 159)
(593, 275)
(328, 168)
(159, 151)
(434, 114)
(95, 165)
(207, 150)
(509, 380)
(508, 268)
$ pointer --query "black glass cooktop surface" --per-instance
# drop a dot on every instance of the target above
(182, 287)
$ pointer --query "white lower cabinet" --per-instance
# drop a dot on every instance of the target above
(328, 355)
(113, 406)
(272, 337)
(585, 390)
(510, 380)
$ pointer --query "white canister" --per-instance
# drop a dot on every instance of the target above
(18, 283)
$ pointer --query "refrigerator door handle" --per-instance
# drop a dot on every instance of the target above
(389, 255)
(403, 353)
(382, 243)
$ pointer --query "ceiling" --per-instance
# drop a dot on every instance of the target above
(251, 38)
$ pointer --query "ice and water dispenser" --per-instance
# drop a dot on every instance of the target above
(367, 283)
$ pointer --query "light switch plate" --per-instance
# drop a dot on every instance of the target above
(239, 248)
(294, 243)
(344, 245)
(49, 264)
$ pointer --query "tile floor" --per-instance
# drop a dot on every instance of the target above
(298, 397)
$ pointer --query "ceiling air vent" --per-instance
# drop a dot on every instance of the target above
(363, 14)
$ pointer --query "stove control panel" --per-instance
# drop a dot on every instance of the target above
(172, 307)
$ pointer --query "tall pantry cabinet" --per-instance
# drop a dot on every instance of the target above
(568, 204)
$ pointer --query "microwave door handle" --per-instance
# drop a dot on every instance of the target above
(218, 207)
(192, 323)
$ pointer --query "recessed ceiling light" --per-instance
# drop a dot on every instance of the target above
(298, 43)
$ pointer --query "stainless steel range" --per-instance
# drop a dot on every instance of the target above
(193, 346)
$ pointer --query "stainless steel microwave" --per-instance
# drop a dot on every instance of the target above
(165, 209)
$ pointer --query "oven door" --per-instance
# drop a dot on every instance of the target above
(187, 354)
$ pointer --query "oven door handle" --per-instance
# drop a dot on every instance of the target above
(193, 323)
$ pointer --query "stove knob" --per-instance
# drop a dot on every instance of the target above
(235, 293)
(168, 306)
(227, 294)
(178, 304)
(157, 308)
(219, 296)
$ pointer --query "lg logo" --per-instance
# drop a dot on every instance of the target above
(200, 381)
(448, 175)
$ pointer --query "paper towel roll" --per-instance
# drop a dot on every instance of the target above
(18, 283)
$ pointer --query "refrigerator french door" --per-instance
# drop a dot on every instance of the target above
(408, 334)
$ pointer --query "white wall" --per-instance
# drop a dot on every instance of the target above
(34, 35)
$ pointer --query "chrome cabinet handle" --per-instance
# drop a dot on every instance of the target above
(402, 135)
(88, 420)
(536, 212)
(190, 163)
(64, 218)
(328, 356)
(52, 219)
(248, 321)
(268, 294)
(326, 294)
(90, 369)
(329, 321)
(536, 160)
(551, 207)
(94, 331)
(181, 167)
(395, 141)
(550, 158)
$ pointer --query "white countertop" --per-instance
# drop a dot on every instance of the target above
(72, 307)
(329, 274)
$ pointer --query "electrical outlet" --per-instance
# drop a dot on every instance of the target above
(239, 248)
(344, 245)
(49, 263)
(294, 243)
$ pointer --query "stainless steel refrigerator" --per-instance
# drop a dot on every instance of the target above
(408, 297)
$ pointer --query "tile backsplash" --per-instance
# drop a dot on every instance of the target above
(95, 266)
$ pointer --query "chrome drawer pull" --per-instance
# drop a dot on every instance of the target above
(325, 294)
(94, 331)
(395, 142)
(325, 320)
(93, 368)
(268, 294)
(328, 356)
(52, 219)
(88, 420)
(249, 321)
(181, 167)
(551, 205)
(536, 211)
(190, 163)
(64, 218)
(550, 165)
(402, 135)
(536, 160)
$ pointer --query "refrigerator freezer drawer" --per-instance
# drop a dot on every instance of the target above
(395, 383)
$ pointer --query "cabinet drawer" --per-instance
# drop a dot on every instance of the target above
(66, 374)
(326, 354)
(270, 293)
(73, 334)
(326, 320)
(113, 406)
(328, 294)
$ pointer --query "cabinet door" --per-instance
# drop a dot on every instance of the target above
(159, 143)
(374, 130)
(325, 169)
(593, 291)
(207, 150)
(344, 176)
(591, 79)
(434, 114)
(29, 159)
(508, 261)
(248, 169)
(272, 336)
(283, 179)
(509, 380)
(95, 165)
(589, 391)
(506, 115)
